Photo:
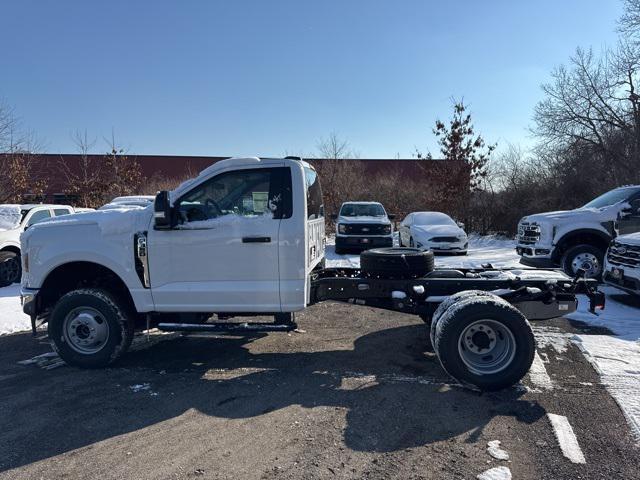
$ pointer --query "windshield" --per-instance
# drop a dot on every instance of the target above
(612, 197)
(432, 218)
(362, 210)
(10, 217)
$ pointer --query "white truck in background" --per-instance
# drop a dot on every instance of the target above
(622, 263)
(578, 239)
(362, 225)
(246, 238)
(15, 219)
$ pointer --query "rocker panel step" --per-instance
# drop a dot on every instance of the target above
(227, 327)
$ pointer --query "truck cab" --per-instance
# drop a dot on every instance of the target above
(578, 239)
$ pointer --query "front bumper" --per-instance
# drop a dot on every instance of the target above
(533, 255)
(29, 301)
(622, 280)
(363, 242)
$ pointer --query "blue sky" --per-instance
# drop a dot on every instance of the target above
(269, 77)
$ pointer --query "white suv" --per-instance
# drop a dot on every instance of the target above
(15, 219)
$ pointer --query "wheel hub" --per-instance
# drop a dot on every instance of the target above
(587, 262)
(86, 330)
(487, 346)
(480, 339)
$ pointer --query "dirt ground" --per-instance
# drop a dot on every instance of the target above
(358, 393)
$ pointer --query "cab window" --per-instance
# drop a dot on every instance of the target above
(245, 193)
(315, 207)
(61, 211)
(38, 216)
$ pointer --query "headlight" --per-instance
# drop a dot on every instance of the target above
(342, 228)
(386, 229)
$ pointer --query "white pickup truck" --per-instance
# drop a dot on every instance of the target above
(15, 219)
(246, 238)
(622, 263)
(577, 239)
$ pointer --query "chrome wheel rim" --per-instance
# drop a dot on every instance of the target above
(486, 347)
(85, 330)
(587, 262)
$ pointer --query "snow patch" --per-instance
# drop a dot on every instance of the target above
(618, 363)
(493, 447)
(10, 217)
(566, 438)
(496, 473)
(12, 318)
(538, 374)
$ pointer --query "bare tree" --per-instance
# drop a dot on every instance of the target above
(20, 181)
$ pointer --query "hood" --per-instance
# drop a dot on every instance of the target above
(428, 231)
(10, 217)
(364, 219)
(110, 222)
(629, 239)
(597, 215)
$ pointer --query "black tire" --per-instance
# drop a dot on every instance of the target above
(466, 314)
(396, 261)
(445, 305)
(10, 268)
(116, 317)
(574, 253)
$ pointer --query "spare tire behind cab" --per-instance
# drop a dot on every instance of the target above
(396, 262)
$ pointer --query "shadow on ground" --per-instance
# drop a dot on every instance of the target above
(393, 393)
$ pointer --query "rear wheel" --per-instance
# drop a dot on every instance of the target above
(90, 328)
(10, 268)
(485, 342)
(396, 262)
(585, 257)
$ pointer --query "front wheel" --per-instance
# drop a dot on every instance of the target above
(10, 268)
(90, 328)
(585, 257)
(484, 341)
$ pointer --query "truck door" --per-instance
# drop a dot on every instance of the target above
(223, 254)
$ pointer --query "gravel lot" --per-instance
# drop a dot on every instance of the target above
(357, 393)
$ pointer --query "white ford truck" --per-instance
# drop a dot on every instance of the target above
(578, 239)
(362, 225)
(622, 263)
(246, 238)
(15, 219)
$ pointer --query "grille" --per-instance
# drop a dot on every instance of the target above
(623, 254)
(365, 229)
(528, 232)
(445, 239)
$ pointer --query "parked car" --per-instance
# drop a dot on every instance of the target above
(362, 225)
(141, 201)
(15, 219)
(622, 263)
(577, 239)
(434, 231)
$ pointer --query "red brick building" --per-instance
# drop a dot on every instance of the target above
(53, 167)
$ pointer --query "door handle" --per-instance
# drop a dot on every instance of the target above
(256, 239)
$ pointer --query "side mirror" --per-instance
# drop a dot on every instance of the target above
(162, 211)
(392, 216)
(460, 224)
(334, 216)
